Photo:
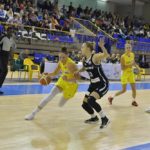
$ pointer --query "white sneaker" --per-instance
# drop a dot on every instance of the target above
(148, 110)
(29, 117)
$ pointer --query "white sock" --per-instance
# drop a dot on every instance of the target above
(101, 113)
(35, 111)
(93, 115)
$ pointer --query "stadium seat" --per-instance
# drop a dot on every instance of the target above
(31, 68)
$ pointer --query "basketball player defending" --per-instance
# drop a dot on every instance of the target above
(127, 63)
(66, 83)
(98, 82)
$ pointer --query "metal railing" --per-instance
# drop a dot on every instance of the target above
(92, 27)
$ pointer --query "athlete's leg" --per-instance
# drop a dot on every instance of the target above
(133, 87)
(96, 106)
(62, 102)
(110, 99)
(43, 102)
(89, 110)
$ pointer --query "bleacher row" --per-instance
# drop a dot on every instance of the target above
(137, 46)
(131, 37)
(141, 44)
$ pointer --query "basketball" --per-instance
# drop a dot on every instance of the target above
(45, 80)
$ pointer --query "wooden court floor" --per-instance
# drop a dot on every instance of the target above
(57, 128)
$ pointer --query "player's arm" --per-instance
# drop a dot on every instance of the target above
(56, 71)
(102, 55)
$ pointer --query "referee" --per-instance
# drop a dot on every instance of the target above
(6, 44)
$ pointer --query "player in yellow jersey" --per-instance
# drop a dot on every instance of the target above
(127, 64)
(66, 84)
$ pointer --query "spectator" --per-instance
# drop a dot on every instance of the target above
(64, 10)
(3, 14)
(66, 26)
(118, 58)
(15, 20)
(113, 58)
(71, 8)
(79, 10)
(54, 24)
(10, 14)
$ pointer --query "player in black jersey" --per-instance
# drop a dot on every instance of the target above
(98, 82)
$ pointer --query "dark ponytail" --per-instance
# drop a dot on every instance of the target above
(64, 50)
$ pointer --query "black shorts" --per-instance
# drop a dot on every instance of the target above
(99, 88)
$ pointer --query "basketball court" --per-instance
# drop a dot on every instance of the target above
(56, 128)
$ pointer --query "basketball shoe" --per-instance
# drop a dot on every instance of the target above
(105, 122)
(92, 120)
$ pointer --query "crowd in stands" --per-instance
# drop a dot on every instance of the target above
(114, 58)
(111, 22)
(76, 56)
(47, 15)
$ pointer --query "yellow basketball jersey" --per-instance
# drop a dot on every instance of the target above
(65, 70)
(69, 88)
(128, 60)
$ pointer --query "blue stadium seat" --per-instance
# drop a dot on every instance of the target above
(40, 18)
(61, 22)
(1, 29)
(38, 57)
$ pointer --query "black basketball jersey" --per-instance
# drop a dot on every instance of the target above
(95, 71)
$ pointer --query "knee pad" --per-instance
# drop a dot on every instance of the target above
(84, 105)
(87, 108)
(91, 100)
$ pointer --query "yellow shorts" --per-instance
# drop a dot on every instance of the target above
(69, 88)
(127, 77)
